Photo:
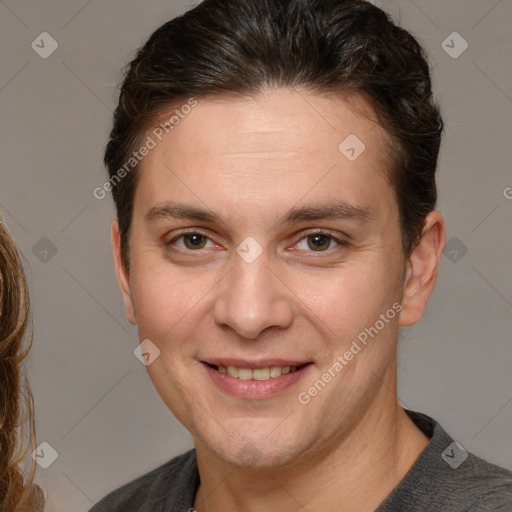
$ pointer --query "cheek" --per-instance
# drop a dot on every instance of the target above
(159, 299)
(168, 302)
(348, 299)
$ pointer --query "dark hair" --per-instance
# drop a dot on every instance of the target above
(239, 47)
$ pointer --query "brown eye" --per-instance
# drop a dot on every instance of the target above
(319, 242)
(194, 241)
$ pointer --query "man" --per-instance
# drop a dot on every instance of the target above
(273, 166)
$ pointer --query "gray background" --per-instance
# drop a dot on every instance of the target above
(95, 404)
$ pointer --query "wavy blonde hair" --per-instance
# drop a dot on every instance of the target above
(17, 431)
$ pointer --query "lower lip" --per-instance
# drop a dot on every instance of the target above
(252, 388)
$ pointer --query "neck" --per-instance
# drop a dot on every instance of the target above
(354, 473)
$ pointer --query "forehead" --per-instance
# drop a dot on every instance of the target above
(272, 149)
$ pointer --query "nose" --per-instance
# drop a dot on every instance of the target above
(252, 298)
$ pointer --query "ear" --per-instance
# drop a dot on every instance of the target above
(422, 269)
(122, 274)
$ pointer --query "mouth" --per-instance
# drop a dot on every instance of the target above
(256, 380)
(261, 374)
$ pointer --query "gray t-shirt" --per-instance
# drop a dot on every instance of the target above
(444, 478)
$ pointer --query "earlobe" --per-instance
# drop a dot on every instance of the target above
(122, 274)
(422, 269)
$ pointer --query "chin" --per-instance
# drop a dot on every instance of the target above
(255, 450)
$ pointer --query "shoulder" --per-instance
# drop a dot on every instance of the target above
(463, 480)
(486, 485)
(145, 493)
(447, 477)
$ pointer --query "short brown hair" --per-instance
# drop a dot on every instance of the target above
(238, 48)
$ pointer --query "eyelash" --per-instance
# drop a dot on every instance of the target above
(340, 242)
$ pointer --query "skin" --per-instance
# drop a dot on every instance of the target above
(250, 161)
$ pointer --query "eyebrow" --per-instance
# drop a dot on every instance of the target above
(338, 210)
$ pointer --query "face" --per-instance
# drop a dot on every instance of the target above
(260, 244)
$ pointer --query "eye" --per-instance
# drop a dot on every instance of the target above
(315, 242)
(192, 241)
(318, 242)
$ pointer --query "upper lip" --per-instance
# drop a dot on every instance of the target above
(252, 364)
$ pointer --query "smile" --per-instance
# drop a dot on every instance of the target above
(257, 382)
(265, 373)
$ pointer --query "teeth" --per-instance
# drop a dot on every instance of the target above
(232, 371)
(261, 373)
(244, 373)
(265, 373)
(275, 371)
